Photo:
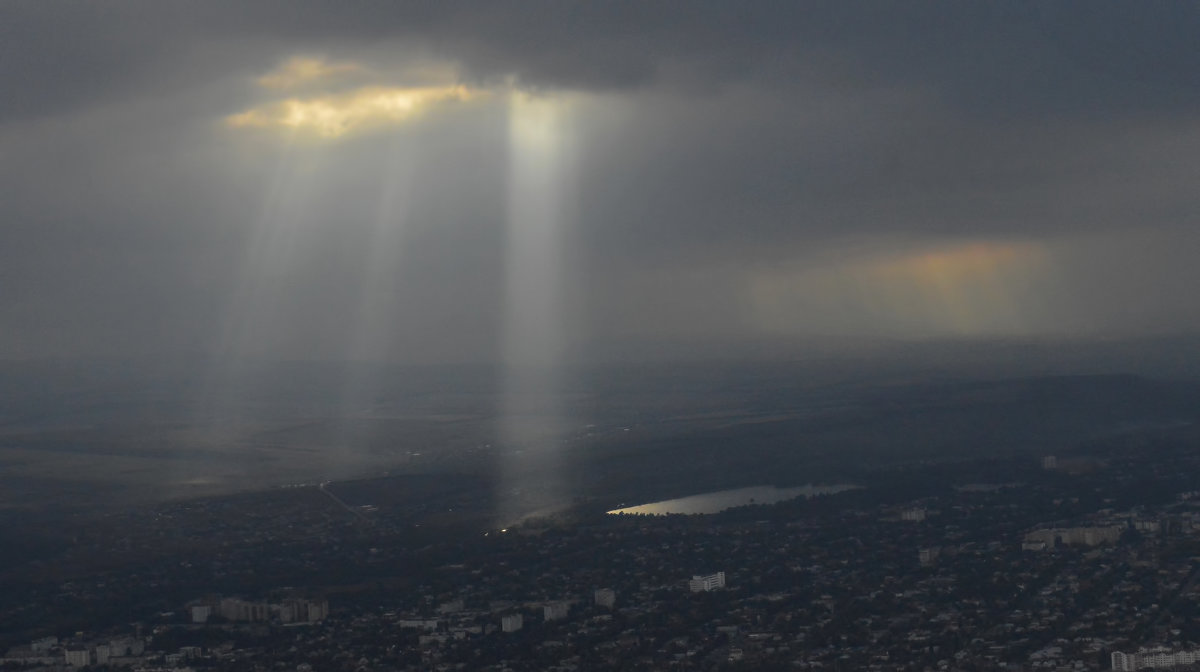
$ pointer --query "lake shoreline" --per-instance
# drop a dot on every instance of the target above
(723, 500)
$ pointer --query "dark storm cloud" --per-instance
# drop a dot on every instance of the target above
(991, 58)
(732, 144)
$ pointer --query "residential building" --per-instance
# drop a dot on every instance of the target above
(700, 583)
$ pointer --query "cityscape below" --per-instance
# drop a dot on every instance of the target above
(1086, 558)
(599, 336)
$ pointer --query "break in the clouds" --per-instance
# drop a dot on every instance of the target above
(358, 180)
(313, 97)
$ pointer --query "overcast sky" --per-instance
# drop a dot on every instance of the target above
(465, 181)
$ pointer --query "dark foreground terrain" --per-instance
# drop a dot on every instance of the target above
(928, 565)
(403, 535)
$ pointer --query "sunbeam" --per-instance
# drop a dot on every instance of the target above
(540, 197)
(251, 312)
(373, 325)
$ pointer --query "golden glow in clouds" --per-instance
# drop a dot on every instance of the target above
(337, 111)
(336, 115)
(301, 70)
(965, 289)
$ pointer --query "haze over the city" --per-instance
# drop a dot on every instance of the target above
(589, 335)
(544, 182)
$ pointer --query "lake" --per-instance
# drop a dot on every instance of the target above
(714, 502)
